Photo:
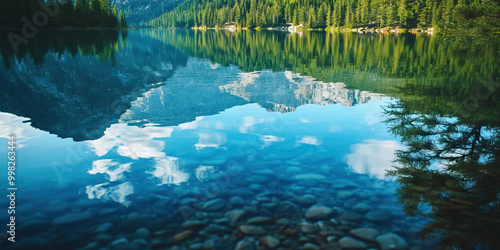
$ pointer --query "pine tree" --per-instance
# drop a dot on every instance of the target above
(123, 20)
(349, 16)
(294, 19)
(363, 11)
(403, 13)
(67, 14)
(82, 10)
(237, 14)
(337, 14)
(329, 18)
(95, 13)
(114, 17)
(321, 17)
(448, 12)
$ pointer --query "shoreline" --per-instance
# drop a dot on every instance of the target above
(71, 28)
(291, 29)
(300, 28)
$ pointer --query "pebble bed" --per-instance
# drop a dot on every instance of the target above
(286, 206)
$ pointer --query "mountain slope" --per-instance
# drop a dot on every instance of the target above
(137, 11)
(473, 16)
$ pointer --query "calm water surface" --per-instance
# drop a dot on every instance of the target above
(177, 139)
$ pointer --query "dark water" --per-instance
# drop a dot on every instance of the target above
(176, 139)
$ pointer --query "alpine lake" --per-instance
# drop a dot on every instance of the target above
(189, 139)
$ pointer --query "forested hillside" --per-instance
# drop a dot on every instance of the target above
(137, 11)
(479, 15)
(66, 13)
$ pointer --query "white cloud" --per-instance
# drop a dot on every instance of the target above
(210, 140)
(131, 141)
(269, 139)
(248, 121)
(373, 157)
(220, 126)
(311, 140)
(113, 169)
(142, 149)
(116, 193)
(167, 171)
(191, 125)
(16, 125)
(304, 120)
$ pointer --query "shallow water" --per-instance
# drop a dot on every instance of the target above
(173, 140)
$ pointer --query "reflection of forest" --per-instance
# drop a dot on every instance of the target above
(449, 170)
(73, 88)
(447, 114)
(100, 43)
(371, 62)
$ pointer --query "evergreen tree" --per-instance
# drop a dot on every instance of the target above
(67, 14)
(123, 20)
(338, 13)
(294, 19)
(329, 18)
(403, 13)
(82, 11)
(95, 11)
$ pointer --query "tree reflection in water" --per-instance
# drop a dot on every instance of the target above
(449, 172)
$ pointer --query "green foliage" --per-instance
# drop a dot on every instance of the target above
(376, 63)
(123, 20)
(82, 13)
(445, 14)
(448, 172)
(100, 43)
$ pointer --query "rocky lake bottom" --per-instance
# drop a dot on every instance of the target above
(286, 206)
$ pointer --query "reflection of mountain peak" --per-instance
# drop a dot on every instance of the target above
(80, 96)
(285, 91)
(200, 89)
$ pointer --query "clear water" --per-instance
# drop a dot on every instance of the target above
(149, 143)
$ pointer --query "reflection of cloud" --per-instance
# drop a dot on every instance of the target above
(220, 126)
(372, 157)
(203, 171)
(15, 125)
(167, 171)
(131, 141)
(268, 139)
(116, 193)
(371, 120)
(334, 129)
(248, 121)
(210, 140)
(113, 169)
(311, 140)
(191, 125)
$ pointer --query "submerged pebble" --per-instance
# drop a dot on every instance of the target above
(392, 241)
(269, 241)
(318, 212)
(350, 243)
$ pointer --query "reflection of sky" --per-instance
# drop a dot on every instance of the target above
(107, 191)
(15, 125)
(167, 172)
(372, 157)
(112, 169)
(131, 141)
(152, 155)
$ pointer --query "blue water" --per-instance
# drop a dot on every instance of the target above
(232, 145)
